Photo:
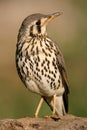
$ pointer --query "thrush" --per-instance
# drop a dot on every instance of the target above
(40, 63)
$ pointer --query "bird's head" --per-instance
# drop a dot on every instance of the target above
(35, 24)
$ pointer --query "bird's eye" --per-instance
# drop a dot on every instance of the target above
(38, 22)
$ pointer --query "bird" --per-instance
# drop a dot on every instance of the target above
(40, 63)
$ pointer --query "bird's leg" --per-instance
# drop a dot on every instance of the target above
(38, 107)
(53, 116)
(54, 105)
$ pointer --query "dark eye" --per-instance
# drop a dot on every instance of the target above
(38, 22)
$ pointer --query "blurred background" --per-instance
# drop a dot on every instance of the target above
(70, 32)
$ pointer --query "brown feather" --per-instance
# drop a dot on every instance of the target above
(62, 69)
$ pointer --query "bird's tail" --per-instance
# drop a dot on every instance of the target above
(60, 106)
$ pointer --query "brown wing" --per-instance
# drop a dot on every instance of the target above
(62, 69)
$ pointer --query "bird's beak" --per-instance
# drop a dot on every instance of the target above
(51, 17)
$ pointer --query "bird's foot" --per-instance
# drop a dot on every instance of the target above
(54, 117)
